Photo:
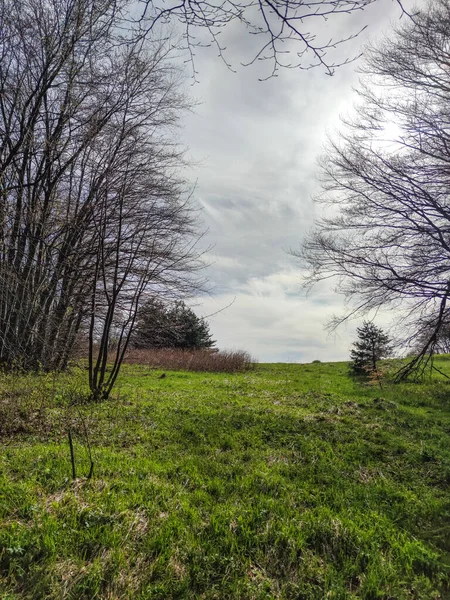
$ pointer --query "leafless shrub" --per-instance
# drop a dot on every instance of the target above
(224, 361)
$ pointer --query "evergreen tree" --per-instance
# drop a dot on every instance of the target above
(372, 345)
(163, 325)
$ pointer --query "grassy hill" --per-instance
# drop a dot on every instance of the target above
(288, 481)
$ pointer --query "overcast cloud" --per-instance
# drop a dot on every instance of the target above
(256, 146)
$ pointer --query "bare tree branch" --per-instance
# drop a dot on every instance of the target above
(281, 24)
(387, 241)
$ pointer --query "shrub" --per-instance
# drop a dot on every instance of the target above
(225, 361)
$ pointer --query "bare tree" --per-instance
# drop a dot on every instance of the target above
(49, 113)
(387, 239)
(92, 209)
(146, 244)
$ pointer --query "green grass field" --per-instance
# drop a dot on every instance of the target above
(288, 481)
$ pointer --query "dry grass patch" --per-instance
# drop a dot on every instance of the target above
(224, 361)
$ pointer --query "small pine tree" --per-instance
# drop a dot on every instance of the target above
(372, 345)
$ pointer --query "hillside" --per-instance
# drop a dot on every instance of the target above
(286, 482)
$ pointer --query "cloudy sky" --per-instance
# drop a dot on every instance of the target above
(255, 146)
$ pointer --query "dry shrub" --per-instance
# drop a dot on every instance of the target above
(224, 361)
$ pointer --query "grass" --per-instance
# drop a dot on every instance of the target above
(286, 482)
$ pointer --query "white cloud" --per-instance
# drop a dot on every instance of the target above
(258, 144)
(274, 320)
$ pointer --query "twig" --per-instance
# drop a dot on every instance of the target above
(72, 455)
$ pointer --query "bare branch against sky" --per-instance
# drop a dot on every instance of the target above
(289, 32)
(386, 177)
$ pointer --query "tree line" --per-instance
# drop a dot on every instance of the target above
(95, 216)
(93, 211)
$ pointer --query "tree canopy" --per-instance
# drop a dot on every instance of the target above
(170, 325)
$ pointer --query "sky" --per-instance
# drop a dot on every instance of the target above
(254, 148)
